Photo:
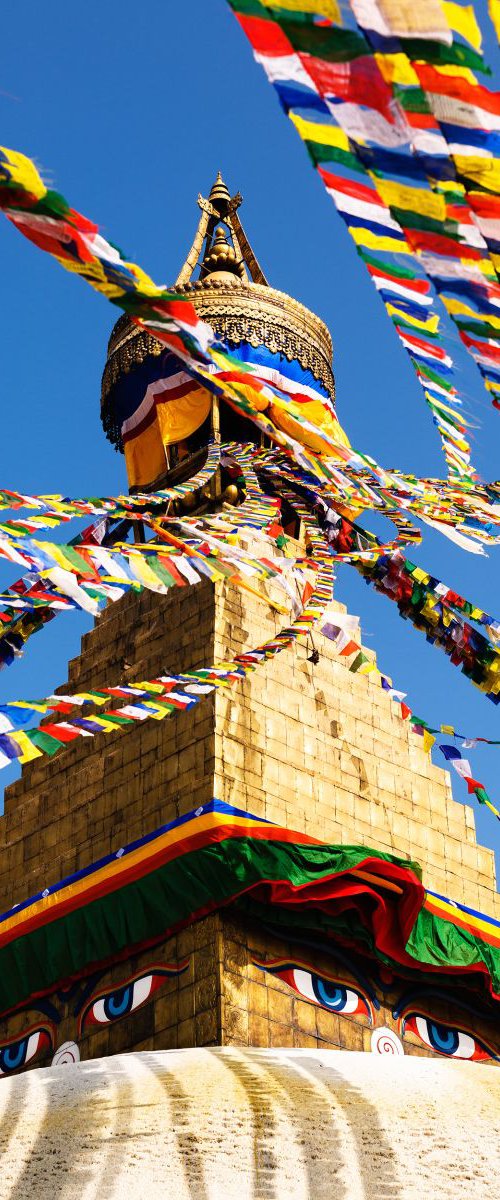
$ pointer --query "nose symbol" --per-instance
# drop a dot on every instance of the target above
(66, 1054)
(385, 1041)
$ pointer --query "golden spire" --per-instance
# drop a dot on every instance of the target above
(219, 195)
(221, 209)
(220, 259)
(232, 294)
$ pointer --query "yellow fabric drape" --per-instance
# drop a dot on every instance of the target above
(462, 19)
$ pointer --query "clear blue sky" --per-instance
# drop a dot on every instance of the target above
(130, 112)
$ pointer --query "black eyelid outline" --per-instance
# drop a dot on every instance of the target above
(289, 965)
(334, 952)
(86, 991)
(453, 1029)
(155, 969)
(426, 993)
(45, 1008)
(49, 1030)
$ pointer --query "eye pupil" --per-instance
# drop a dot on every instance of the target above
(118, 1003)
(13, 1056)
(332, 995)
(443, 1038)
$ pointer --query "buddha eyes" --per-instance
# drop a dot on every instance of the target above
(329, 993)
(15, 1055)
(336, 997)
(446, 1039)
(119, 1002)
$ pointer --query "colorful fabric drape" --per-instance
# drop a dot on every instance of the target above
(159, 697)
(405, 139)
(342, 630)
(221, 856)
(46, 219)
(323, 462)
(273, 405)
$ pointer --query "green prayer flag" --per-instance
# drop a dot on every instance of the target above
(330, 44)
(399, 272)
(43, 741)
(358, 661)
(420, 50)
(323, 154)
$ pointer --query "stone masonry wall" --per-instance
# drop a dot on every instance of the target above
(315, 748)
(319, 749)
(101, 793)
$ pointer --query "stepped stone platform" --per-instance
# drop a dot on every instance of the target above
(241, 1124)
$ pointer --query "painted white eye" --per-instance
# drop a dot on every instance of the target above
(445, 1039)
(333, 996)
(124, 1000)
(19, 1054)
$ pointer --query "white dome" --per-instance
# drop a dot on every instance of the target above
(237, 1124)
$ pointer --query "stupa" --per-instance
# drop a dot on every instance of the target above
(150, 881)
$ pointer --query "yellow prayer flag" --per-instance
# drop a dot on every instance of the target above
(364, 237)
(428, 741)
(24, 172)
(429, 326)
(158, 714)
(483, 170)
(319, 8)
(457, 307)
(447, 729)
(419, 200)
(494, 11)
(420, 575)
(106, 726)
(458, 73)
(484, 265)
(28, 750)
(441, 406)
(317, 131)
(397, 68)
(462, 19)
(143, 572)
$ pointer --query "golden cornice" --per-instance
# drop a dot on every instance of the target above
(238, 312)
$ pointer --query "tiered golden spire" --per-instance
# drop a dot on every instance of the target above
(228, 260)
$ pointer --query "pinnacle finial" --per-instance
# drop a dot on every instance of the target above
(219, 194)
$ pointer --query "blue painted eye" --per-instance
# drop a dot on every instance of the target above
(110, 1006)
(118, 1003)
(443, 1038)
(18, 1054)
(330, 995)
(14, 1056)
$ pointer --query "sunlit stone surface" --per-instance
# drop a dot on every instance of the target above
(234, 1124)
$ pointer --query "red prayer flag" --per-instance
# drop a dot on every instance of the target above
(351, 648)
(266, 37)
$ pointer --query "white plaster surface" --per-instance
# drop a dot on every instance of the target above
(234, 1124)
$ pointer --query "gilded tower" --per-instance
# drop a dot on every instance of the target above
(264, 326)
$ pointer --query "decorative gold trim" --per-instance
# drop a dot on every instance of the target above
(238, 309)
(238, 312)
